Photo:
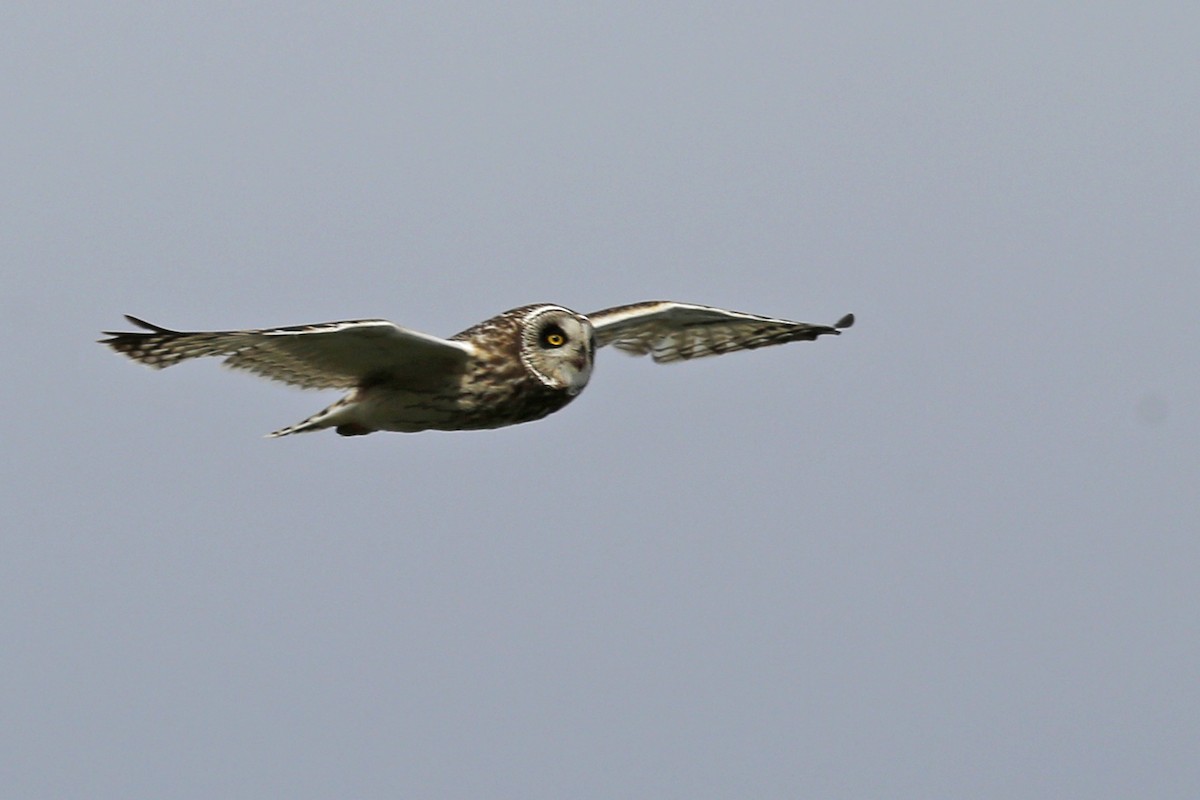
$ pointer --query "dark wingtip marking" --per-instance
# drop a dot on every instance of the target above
(119, 340)
(844, 322)
(141, 323)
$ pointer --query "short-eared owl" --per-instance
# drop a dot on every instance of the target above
(515, 367)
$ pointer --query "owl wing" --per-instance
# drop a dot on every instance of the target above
(671, 331)
(330, 355)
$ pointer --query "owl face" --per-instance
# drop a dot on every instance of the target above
(557, 346)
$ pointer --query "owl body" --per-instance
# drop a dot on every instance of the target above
(516, 370)
(379, 408)
(516, 367)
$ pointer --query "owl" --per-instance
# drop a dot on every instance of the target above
(516, 367)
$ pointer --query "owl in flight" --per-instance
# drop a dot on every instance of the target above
(515, 367)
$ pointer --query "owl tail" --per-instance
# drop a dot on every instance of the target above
(335, 416)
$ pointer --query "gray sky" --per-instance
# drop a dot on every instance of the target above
(952, 553)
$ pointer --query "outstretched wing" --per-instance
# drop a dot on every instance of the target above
(677, 331)
(330, 355)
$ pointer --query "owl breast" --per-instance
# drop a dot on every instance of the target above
(490, 395)
(499, 391)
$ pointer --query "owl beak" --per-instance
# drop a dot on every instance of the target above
(579, 376)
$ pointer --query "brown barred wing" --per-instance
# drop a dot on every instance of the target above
(669, 331)
(330, 355)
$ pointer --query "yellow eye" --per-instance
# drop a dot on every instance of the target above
(555, 339)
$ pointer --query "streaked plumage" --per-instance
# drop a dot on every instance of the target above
(516, 367)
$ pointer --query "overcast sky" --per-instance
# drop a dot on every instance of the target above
(952, 553)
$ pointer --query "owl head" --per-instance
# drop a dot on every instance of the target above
(557, 346)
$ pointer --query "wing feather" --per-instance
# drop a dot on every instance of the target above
(330, 355)
(669, 331)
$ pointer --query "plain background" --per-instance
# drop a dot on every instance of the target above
(952, 553)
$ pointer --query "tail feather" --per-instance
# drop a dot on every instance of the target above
(331, 417)
(318, 421)
(305, 426)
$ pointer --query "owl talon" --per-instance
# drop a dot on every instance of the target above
(353, 429)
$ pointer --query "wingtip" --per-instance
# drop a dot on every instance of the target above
(149, 326)
(844, 322)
